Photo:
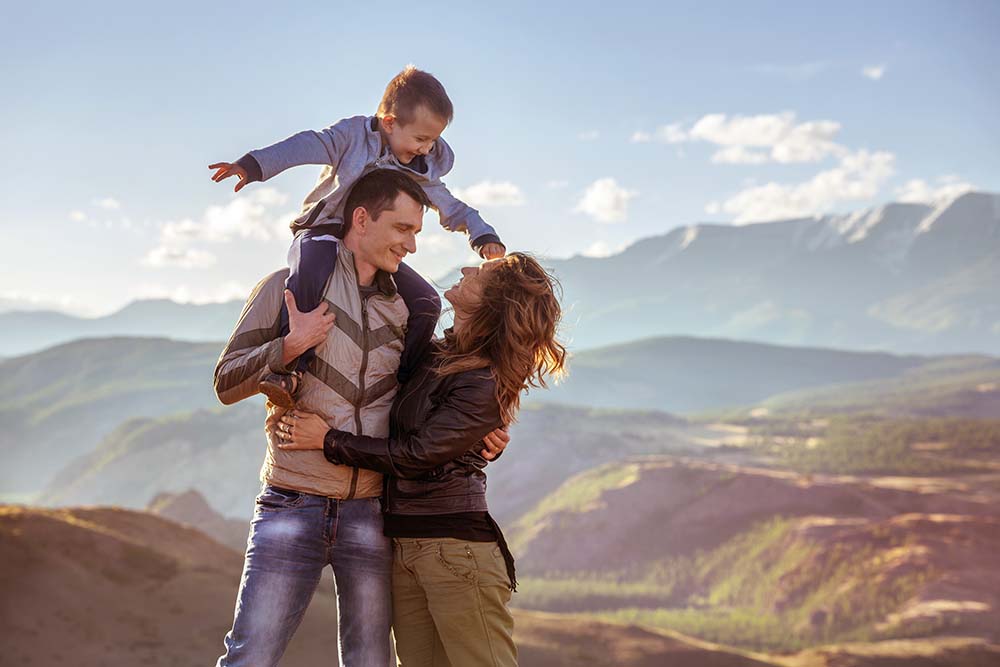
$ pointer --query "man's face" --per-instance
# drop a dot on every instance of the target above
(416, 137)
(393, 235)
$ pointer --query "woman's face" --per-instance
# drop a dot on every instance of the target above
(466, 294)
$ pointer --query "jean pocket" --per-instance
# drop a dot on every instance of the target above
(276, 498)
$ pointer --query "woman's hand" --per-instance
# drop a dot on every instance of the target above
(495, 443)
(298, 429)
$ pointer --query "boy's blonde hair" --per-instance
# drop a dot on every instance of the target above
(413, 88)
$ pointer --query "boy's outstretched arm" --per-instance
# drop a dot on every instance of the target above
(325, 146)
(457, 216)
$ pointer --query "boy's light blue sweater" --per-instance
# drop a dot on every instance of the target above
(349, 149)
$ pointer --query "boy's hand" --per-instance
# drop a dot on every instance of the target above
(493, 251)
(227, 169)
(305, 330)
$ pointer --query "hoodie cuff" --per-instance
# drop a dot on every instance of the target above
(478, 242)
(251, 167)
(275, 354)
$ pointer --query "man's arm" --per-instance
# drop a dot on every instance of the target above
(457, 216)
(255, 343)
(468, 413)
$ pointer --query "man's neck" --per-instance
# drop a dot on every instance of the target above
(365, 270)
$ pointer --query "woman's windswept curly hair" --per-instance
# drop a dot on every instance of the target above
(512, 330)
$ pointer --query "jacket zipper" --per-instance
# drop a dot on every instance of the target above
(361, 386)
(397, 405)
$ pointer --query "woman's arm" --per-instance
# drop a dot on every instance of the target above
(468, 413)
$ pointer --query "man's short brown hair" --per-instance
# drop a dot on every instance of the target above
(414, 88)
(376, 192)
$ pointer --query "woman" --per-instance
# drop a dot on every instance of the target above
(452, 572)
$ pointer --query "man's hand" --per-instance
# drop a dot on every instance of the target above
(493, 251)
(495, 443)
(227, 169)
(305, 330)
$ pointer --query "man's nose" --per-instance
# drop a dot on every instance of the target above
(411, 244)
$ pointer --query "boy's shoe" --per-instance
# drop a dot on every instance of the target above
(280, 388)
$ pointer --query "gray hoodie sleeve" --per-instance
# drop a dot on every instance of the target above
(325, 146)
(457, 216)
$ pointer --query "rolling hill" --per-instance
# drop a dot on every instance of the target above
(60, 403)
(78, 583)
(690, 375)
(768, 559)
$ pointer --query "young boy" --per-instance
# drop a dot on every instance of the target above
(404, 134)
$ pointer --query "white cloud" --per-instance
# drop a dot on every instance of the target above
(739, 155)
(605, 201)
(588, 135)
(189, 258)
(107, 203)
(665, 134)
(77, 216)
(858, 177)
(713, 208)
(786, 141)
(873, 72)
(919, 191)
(490, 193)
(603, 249)
(217, 293)
(11, 300)
(248, 216)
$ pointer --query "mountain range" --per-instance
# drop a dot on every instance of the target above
(907, 278)
(142, 410)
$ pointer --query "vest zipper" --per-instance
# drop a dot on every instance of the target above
(361, 386)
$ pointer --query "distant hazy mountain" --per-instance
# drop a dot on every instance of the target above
(694, 375)
(900, 277)
(60, 402)
(219, 452)
(29, 331)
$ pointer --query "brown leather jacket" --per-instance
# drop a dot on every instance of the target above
(431, 456)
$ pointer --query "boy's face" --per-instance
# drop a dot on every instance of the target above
(416, 137)
(393, 235)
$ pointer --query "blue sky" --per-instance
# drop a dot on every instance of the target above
(579, 127)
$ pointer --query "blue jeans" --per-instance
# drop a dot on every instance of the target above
(293, 536)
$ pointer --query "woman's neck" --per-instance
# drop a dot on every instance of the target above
(460, 322)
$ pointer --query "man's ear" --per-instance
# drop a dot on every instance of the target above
(359, 220)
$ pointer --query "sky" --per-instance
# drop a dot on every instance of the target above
(579, 127)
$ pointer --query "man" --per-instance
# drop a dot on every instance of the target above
(311, 513)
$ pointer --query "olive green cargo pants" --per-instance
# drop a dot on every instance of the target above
(449, 604)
